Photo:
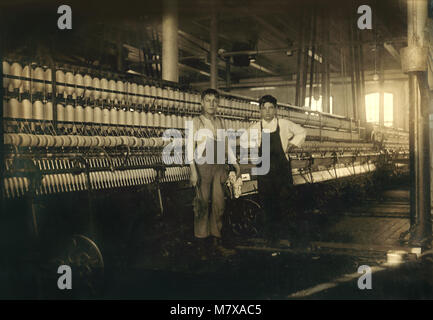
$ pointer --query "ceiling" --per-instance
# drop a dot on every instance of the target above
(103, 29)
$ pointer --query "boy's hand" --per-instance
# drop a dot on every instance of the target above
(193, 179)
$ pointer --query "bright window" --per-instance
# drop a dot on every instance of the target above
(316, 105)
(372, 102)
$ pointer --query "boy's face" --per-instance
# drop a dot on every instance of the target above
(268, 111)
(210, 104)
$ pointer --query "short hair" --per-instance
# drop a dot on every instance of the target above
(210, 91)
(267, 98)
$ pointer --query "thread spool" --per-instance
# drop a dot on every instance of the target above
(73, 141)
(97, 114)
(143, 119)
(136, 117)
(60, 113)
(26, 109)
(113, 141)
(182, 123)
(133, 90)
(96, 84)
(125, 140)
(182, 100)
(154, 98)
(88, 114)
(129, 118)
(81, 141)
(58, 141)
(165, 97)
(108, 142)
(66, 141)
(106, 116)
(48, 77)
(79, 114)
(38, 110)
(188, 101)
(176, 98)
(158, 97)
(120, 86)
(112, 87)
(15, 139)
(88, 92)
(26, 73)
(170, 97)
(16, 70)
(147, 99)
(48, 111)
(6, 71)
(157, 119)
(70, 115)
(5, 108)
(34, 140)
(179, 122)
(39, 75)
(113, 116)
(118, 141)
(50, 140)
(93, 141)
(162, 120)
(150, 120)
(151, 142)
(25, 140)
(104, 88)
(60, 79)
(70, 81)
(121, 116)
(7, 139)
(140, 91)
(169, 121)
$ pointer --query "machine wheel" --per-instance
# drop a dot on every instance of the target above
(245, 217)
(87, 265)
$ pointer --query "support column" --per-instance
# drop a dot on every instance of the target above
(414, 62)
(170, 49)
(381, 90)
(413, 100)
(213, 47)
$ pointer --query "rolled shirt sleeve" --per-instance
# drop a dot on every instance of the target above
(291, 133)
(299, 134)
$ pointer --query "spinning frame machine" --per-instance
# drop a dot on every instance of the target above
(70, 129)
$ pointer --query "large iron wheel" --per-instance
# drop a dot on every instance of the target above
(244, 217)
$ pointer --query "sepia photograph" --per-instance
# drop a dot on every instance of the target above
(216, 154)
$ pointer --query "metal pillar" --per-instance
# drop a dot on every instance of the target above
(423, 227)
(170, 49)
(213, 47)
(414, 62)
(413, 100)
(381, 89)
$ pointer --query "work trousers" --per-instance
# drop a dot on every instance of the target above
(210, 180)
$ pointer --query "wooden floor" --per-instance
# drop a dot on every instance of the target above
(369, 229)
(376, 222)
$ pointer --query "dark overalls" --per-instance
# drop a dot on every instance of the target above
(275, 188)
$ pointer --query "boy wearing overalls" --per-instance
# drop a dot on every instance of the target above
(276, 186)
(208, 174)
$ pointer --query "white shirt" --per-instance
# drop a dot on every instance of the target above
(290, 133)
